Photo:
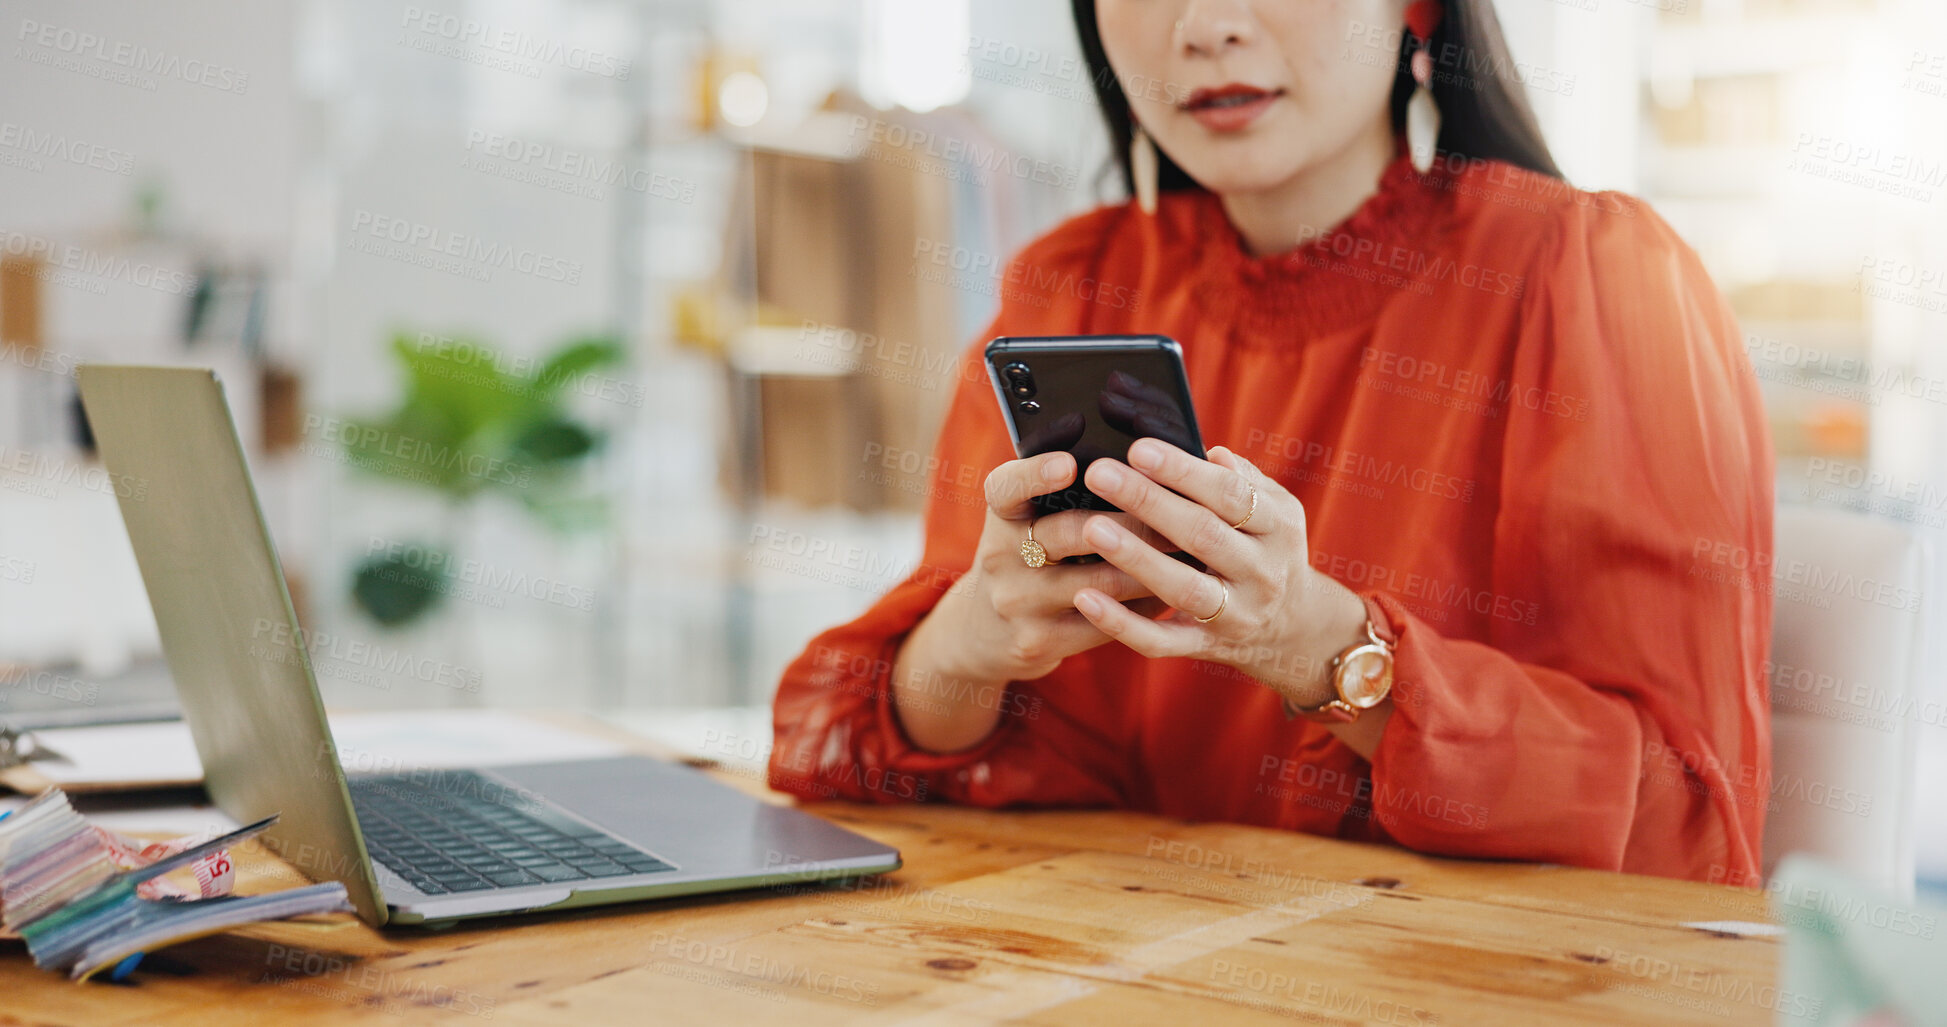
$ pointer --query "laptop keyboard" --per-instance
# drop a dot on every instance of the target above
(462, 832)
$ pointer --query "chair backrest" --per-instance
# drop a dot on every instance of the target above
(1845, 682)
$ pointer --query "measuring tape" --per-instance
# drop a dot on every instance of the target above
(216, 873)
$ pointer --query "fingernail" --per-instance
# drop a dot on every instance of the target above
(1107, 473)
(1146, 454)
(1088, 604)
(1102, 536)
(1054, 471)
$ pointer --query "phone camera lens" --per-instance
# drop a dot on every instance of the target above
(1020, 380)
(1030, 407)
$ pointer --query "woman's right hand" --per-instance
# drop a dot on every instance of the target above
(1006, 621)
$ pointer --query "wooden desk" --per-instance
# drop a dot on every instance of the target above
(1049, 917)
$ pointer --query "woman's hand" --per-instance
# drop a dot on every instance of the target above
(1007, 621)
(1271, 614)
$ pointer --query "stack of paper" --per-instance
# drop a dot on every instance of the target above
(63, 890)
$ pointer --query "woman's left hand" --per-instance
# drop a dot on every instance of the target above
(1271, 615)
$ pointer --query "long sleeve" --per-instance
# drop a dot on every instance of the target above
(1520, 417)
(1616, 717)
(837, 733)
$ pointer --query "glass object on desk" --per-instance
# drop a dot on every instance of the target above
(1853, 954)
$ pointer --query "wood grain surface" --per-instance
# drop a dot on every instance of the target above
(1037, 917)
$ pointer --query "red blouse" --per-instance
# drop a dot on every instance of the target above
(1519, 416)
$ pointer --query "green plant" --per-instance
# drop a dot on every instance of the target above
(472, 423)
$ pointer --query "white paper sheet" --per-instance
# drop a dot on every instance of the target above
(137, 754)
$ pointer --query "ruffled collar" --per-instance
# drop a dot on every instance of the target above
(1329, 282)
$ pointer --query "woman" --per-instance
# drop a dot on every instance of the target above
(1486, 450)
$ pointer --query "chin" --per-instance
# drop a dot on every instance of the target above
(1234, 180)
(1235, 172)
(1270, 155)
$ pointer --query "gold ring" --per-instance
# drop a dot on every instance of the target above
(1221, 603)
(1033, 553)
(1252, 512)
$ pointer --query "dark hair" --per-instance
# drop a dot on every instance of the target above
(1483, 113)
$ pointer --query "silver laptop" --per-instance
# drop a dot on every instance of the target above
(411, 847)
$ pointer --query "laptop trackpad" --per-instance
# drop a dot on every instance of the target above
(704, 828)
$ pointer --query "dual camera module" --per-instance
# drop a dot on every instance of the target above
(1020, 382)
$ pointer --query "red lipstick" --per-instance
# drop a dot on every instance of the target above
(1231, 107)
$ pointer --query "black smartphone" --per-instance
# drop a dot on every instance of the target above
(1091, 395)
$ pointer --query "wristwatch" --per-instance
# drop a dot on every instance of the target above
(1362, 674)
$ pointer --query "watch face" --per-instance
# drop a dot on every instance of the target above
(1366, 676)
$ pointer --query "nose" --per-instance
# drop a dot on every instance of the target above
(1211, 27)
